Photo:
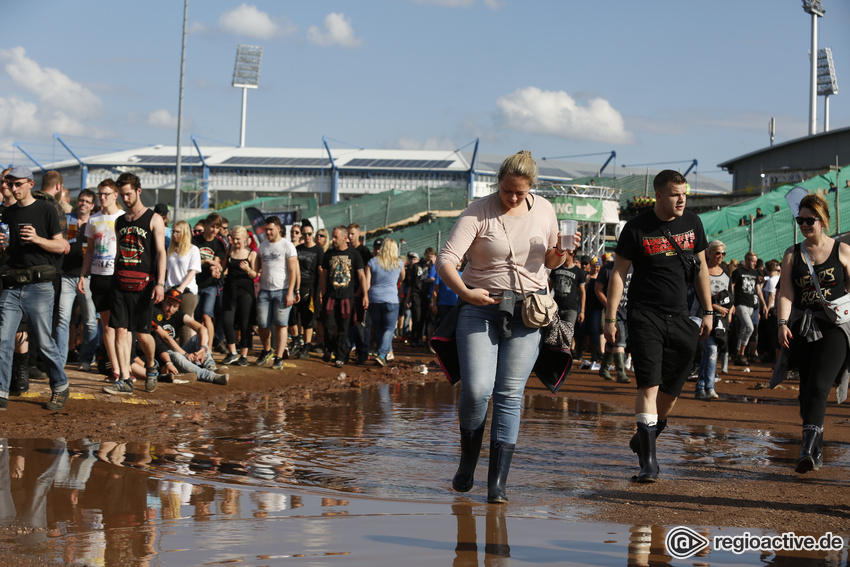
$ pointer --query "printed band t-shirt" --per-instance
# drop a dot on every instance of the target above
(658, 282)
(209, 250)
(745, 282)
(101, 228)
(341, 272)
(565, 285)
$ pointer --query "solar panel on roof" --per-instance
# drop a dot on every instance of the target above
(400, 163)
(274, 161)
(191, 160)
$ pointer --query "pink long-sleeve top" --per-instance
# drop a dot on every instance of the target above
(479, 233)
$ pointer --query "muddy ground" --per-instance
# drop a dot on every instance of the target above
(772, 497)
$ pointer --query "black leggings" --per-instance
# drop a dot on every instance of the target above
(238, 316)
(819, 363)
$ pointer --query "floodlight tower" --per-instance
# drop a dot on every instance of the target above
(827, 82)
(246, 75)
(815, 8)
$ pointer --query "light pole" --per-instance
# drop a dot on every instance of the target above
(178, 173)
(827, 82)
(815, 8)
(246, 75)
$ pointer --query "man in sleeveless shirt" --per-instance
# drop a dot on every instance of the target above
(138, 282)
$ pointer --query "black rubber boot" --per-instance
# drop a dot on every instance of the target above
(20, 374)
(634, 443)
(604, 364)
(808, 448)
(620, 365)
(470, 447)
(818, 452)
(501, 455)
(649, 469)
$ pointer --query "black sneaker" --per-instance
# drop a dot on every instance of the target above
(4, 403)
(230, 358)
(221, 347)
(119, 388)
(242, 361)
(264, 358)
(304, 354)
(278, 363)
(327, 356)
(57, 400)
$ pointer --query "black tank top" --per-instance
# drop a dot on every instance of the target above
(136, 250)
(830, 276)
(237, 278)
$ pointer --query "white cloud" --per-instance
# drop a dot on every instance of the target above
(492, 4)
(407, 143)
(250, 21)
(163, 119)
(556, 113)
(337, 31)
(56, 103)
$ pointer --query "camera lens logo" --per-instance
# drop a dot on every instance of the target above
(683, 542)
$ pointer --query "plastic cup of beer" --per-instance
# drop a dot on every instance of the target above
(568, 231)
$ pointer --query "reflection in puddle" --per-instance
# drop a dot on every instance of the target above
(364, 475)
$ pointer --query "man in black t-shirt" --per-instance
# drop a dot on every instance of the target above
(568, 283)
(662, 339)
(310, 257)
(212, 264)
(34, 244)
(342, 269)
(358, 335)
(615, 352)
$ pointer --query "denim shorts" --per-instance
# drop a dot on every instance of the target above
(272, 309)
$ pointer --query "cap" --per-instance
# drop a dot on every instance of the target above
(20, 172)
(413, 255)
(175, 294)
(378, 243)
(161, 209)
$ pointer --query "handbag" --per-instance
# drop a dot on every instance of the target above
(538, 309)
(690, 262)
(129, 280)
(838, 311)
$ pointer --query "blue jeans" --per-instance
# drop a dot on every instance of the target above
(206, 302)
(35, 301)
(707, 366)
(202, 371)
(272, 309)
(384, 316)
(67, 296)
(491, 365)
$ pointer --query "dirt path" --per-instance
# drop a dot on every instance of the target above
(768, 496)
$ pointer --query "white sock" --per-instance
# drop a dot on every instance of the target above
(648, 419)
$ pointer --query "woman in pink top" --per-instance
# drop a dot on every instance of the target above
(496, 350)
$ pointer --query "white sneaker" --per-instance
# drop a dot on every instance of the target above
(585, 364)
(629, 363)
(390, 356)
(595, 366)
(711, 394)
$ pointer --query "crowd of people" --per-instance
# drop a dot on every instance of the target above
(109, 285)
(155, 301)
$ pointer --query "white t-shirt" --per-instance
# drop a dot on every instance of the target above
(101, 228)
(176, 269)
(274, 256)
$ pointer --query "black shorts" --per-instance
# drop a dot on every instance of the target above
(131, 310)
(662, 348)
(101, 292)
(306, 308)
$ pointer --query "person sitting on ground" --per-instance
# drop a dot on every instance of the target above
(192, 356)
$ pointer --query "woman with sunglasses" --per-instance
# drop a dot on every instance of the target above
(721, 300)
(817, 350)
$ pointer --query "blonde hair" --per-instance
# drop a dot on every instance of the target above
(327, 244)
(388, 256)
(182, 247)
(520, 164)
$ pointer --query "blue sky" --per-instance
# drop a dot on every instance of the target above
(656, 81)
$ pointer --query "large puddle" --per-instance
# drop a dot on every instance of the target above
(360, 479)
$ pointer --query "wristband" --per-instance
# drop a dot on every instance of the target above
(782, 322)
(610, 320)
(559, 253)
(707, 312)
(161, 284)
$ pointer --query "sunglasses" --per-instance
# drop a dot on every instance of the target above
(806, 220)
(20, 184)
(721, 253)
(308, 234)
(198, 231)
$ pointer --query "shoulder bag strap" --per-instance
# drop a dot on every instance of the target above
(513, 257)
(679, 252)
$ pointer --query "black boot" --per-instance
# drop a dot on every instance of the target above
(634, 442)
(470, 447)
(818, 452)
(501, 455)
(649, 469)
(20, 374)
(807, 460)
